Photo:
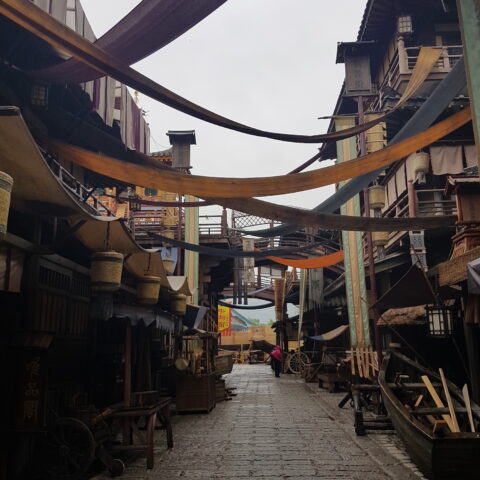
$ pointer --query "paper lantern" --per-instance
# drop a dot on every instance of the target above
(376, 196)
(106, 271)
(421, 162)
(439, 320)
(178, 304)
(148, 289)
(380, 239)
(6, 182)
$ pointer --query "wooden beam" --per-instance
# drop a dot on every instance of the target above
(437, 400)
(449, 401)
(468, 406)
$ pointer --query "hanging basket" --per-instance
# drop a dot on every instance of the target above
(178, 304)
(421, 162)
(376, 197)
(106, 271)
(380, 239)
(148, 289)
(6, 182)
(169, 265)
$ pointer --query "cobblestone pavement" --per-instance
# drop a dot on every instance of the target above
(274, 429)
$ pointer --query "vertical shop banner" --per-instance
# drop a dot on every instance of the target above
(249, 262)
(224, 321)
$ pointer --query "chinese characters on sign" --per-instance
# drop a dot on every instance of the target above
(224, 320)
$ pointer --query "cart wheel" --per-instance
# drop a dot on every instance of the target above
(116, 468)
(75, 448)
(296, 362)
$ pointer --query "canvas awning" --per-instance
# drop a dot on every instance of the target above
(135, 315)
(326, 337)
(36, 189)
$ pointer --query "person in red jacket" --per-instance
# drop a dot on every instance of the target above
(276, 356)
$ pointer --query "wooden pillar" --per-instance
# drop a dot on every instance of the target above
(472, 345)
(412, 200)
(402, 56)
(127, 358)
(469, 17)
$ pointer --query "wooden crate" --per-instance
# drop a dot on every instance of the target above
(195, 393)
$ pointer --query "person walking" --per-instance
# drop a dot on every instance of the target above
(276, 356)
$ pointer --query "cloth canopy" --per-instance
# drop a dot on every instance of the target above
(220, 252)
(150, 26)
(451, 86)
(37, 190)
(194, 316)
(411, 290)
(314, 262)
(214, 187)
(326, 337)
(47, 28)
(246, 307)
(139, 314)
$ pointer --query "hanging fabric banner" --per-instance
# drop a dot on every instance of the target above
(451, 86)
(311, 263)
(150, 26)
(224, 320)
(47, 28)
(211, 187)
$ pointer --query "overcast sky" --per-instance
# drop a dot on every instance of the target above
(267, 63)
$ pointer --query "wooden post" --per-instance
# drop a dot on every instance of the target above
(412, 200)
(402, 56)
(469, 18)
(127, 380)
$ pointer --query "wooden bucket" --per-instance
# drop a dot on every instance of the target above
(380, 239)
(178, 303)
(148, 289)
(376, 197)
(106, 271)
(6, 182)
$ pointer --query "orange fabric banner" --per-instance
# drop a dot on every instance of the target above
(315, 262)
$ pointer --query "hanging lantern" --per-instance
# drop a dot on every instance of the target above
(421, 162)
(106, 271)
(169, 265)
(380, 239)
(148, 289)
(439, 320)
(6, 182)
(178, 304)
(376, 197)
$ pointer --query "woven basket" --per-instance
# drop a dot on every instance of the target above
(6, 182)
(106, 271)
(178, 303)
(148, 289)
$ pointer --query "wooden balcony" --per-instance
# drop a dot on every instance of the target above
(396, 74)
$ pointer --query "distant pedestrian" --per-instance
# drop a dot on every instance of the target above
(276, 356)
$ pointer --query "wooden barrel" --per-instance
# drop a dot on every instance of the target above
(148, 289)
(376, 197)
(6, 182)
(106, 271)
(380, 239)
(169, 264)
(178, 303)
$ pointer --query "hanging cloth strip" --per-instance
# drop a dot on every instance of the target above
(327, 221)
(150, 26)
(315, 262)
(244, 307)
(159, 203)
(212, 187)
(219, 252)
(451, 86)
(33, 19)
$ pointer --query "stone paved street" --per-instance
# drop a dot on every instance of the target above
(273, 429)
